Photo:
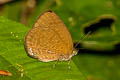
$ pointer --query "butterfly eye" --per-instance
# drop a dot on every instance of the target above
(75, 52)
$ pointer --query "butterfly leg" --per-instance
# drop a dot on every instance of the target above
(54, 65)
(69, 63)
(59, 59)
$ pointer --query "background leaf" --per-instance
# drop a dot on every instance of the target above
(95, 64)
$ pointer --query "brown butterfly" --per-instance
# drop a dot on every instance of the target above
(49, 39)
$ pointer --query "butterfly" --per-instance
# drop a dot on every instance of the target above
(49, 39)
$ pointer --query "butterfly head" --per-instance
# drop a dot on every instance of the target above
(74, 52)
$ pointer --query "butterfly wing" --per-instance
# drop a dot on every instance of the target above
(49, 38)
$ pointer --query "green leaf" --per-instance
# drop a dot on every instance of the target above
(14, 58)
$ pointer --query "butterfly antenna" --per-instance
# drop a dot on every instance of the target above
(83, 38)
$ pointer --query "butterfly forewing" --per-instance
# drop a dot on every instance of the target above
(49, 38)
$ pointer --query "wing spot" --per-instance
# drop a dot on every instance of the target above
(31, 52)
